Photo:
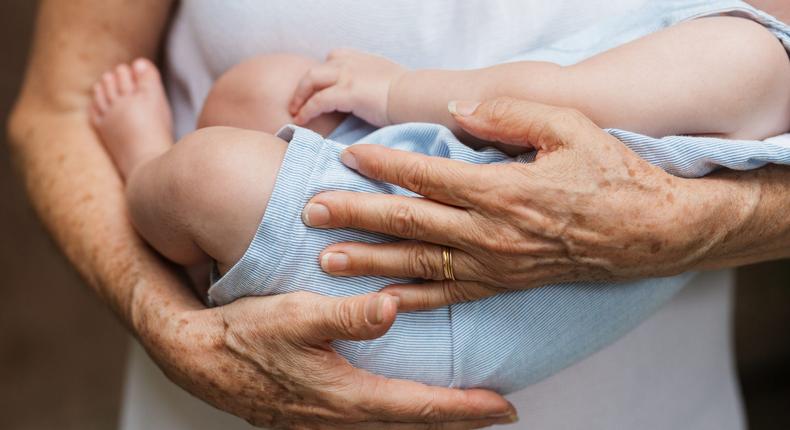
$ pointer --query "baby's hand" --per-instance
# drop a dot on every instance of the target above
(348, 81)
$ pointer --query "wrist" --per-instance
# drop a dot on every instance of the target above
(394, 93)
(715, 209)
(422, 95)
(157, 301)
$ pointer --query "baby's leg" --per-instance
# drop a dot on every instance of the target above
(198, 200)
(206, 196)
(255, 94)
(721, 76)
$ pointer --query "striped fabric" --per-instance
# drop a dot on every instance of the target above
(505, 342)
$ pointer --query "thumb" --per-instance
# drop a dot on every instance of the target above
(520, 122)
(349, 318)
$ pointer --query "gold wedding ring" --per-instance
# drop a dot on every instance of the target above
(447, 263)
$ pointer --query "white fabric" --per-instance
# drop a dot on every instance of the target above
(674, 371)
(208, 36)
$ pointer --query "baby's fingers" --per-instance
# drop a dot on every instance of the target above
(316, 79)
(332, 99)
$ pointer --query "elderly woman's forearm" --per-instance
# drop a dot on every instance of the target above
(71, 182)
(754, 225)
(78, 196)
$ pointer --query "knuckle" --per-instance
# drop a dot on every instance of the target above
(496, 240)
(374, 166)
(297, 310)
(346, 212)
(500, 108)
(497, 117)
(416, 176)
(290, 305)
(449, 293)
(343, 317)
(402, 221)
(505, 246)
(429, 412)
(319, 99)
(310, 77)
(421, 264)
(565, 119)
(566, 116)
(487, 290)
(485, 272)
(574, 115)
(455, 293)
(426, 300)
(511, 252)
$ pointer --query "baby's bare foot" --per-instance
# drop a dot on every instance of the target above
(131, 114)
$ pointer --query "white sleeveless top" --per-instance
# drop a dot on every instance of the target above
(673, 371)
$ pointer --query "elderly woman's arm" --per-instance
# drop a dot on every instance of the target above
(271, 371)
(587, 209)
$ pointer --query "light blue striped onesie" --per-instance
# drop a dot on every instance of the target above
(505, 342)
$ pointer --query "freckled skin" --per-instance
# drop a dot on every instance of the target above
(612, 217)
(58, 153)
(237, 358)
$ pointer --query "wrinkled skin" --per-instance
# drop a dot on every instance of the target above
(269, 361)
(588, 208)
(264, 359)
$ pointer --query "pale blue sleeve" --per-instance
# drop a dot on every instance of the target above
(692, 157)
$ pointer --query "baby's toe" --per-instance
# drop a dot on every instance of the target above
(95, 115)
(110, 84)
(146, 74)
(100, 103)
(123, 74)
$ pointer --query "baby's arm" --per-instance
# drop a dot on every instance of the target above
(721, 76)
(724, 76)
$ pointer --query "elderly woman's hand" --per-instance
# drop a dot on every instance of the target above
(269, 361)
(588, 208)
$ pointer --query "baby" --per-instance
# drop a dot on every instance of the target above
(231, 193)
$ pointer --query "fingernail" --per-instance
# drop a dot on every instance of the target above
(510, 419)
(334, 262)
(506, 418)
(315, 215)
(462, 107)
(349, 160)
(139, 65)
(374, 310)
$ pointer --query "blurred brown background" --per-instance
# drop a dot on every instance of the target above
(62, 353)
